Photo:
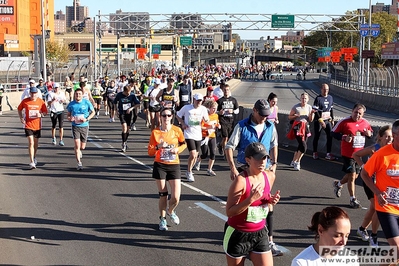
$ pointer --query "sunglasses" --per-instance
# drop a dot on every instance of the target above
(167, 115)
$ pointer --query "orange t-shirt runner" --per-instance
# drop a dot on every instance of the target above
(384, 163)
(32, 109)
(173, 138)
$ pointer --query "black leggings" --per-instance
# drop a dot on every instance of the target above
(317, 133)
(211, 147)
(1, 100)
(302, 143)
(134, 115)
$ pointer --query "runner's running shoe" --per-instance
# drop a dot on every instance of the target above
(337, 189)
(163, 225)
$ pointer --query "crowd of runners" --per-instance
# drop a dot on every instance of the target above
(181, 118)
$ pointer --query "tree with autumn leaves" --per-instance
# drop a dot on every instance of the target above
(341, 39)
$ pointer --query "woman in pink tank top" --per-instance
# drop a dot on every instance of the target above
(247, 208)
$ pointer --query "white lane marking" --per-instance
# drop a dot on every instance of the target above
(212, 211)
(94, 143)
(204, 193)
(199, 204)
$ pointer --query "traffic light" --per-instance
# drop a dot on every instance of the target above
(151, 33)
(142, 42)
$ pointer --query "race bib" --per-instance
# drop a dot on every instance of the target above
(184, 98)
(325, 115)
(358, 141)
(393, 195)
(78, 119)
(257, 213)
(167, 155)
(33, 113)
(126, 106)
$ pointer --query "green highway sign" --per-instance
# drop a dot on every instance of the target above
(283, 21)
(156, 49)
(186, 41)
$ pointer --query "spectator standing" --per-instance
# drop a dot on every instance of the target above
(352, 131)
(30, 112)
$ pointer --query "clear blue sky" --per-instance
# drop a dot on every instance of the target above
(330, 7)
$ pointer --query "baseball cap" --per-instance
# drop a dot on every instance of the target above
(56, 85)
(210, 88)
(157, 81)
(262, 107)
(256, 150)
(32, 81)
(33, 90)
(198, 97)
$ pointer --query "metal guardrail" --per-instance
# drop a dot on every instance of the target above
(382, 81)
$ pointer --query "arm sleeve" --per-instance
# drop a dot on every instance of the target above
(234, 139)
(152, 146)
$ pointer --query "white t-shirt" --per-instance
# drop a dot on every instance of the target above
(56, 106)
(121, 85)
(153, 92)
(309, 257)
(192, 118)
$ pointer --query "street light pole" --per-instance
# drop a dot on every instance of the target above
(43, 50)
(369, 47)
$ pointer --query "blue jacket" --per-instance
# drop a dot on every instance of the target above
(249, 135)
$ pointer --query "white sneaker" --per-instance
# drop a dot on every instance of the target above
(110, 120)
(133, 127)
(190, 177)
(124, 146)
(297, 166)
(363, 234)
(34, 161)
(174, 218)
(32, 166)
(292, 164)
(1, 113)
(96, 116)
(80, 166)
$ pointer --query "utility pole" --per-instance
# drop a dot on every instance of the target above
(43, 45)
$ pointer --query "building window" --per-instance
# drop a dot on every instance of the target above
(84, 47)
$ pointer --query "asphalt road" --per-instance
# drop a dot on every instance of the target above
(107, 213)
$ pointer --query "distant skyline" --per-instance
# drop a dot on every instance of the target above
(314, 7)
